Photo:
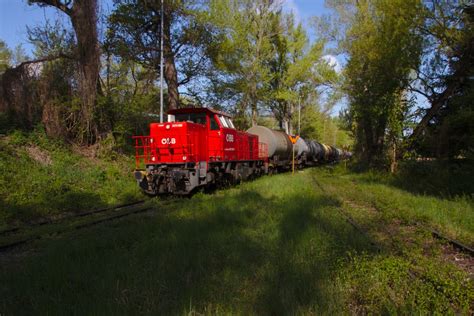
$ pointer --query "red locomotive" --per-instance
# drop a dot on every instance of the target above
(197, 147)
(200, 147)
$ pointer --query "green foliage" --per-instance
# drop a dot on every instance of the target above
(451, 132)
(323, 128)
(383, 48)
(449, 179)
(5, 57)
(42, 177)
(133, 35)
(265, 61)
(244, 31)
(130, 103)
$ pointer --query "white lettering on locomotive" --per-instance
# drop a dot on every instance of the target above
(168, 141)
(229, 138)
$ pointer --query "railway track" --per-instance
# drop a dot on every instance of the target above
(13, 238)
(349, 219)
(68, 217)
(436, 234)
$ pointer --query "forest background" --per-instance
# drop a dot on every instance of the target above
(405, 79)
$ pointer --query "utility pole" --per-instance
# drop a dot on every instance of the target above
(161, 64)
(299, 116)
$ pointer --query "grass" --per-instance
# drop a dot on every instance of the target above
(43, 178)
(395, 199)
(277, 245)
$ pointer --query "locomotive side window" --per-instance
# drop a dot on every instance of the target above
(198, 118)
(214, 126)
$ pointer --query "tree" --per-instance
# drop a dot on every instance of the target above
(83, 15)
(134, 35)
(447, 66)
(297, 71)
(5, 56)
(383, 48)
(241, 56)
(19, 55)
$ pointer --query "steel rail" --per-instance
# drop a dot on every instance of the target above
(456, 244)
(64, 218)
(82, 225)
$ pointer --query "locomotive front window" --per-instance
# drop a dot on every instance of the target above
(198, 118)
(214, 125)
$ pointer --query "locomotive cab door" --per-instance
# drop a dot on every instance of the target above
(216, 152)
(230, 138)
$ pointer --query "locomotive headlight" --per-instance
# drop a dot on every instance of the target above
(151, 140)
(168, 126)
(153, 158)
(184, 157)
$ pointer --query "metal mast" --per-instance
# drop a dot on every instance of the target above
(161, 65)
(299, 116)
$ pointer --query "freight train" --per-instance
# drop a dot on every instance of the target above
(201, 148)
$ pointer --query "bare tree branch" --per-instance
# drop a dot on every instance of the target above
(63, 6)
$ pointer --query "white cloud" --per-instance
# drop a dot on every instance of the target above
(333, 62)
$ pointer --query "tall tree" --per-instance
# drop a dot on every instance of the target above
(245, 29)
(134, 34)
(297, 70)
(447, 66)
(383, 48)
(83, 16)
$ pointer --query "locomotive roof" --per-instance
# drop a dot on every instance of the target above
(198, 110)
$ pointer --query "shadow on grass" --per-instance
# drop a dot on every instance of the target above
(50, 203)
(244, 253)
(443, 179)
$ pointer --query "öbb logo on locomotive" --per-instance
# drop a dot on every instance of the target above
(229, 138)
(168, 141)
(213, 153)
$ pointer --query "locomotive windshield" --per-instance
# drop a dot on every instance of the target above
(226, 122)
(198, 118)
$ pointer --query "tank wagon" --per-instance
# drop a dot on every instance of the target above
(200, 147)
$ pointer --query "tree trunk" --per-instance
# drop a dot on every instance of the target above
(83, 15)
(393, 157)
(84, 21)
(170, 73)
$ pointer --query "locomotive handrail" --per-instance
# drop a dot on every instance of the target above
(142, 150)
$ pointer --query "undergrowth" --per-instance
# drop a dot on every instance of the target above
(41, 177)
